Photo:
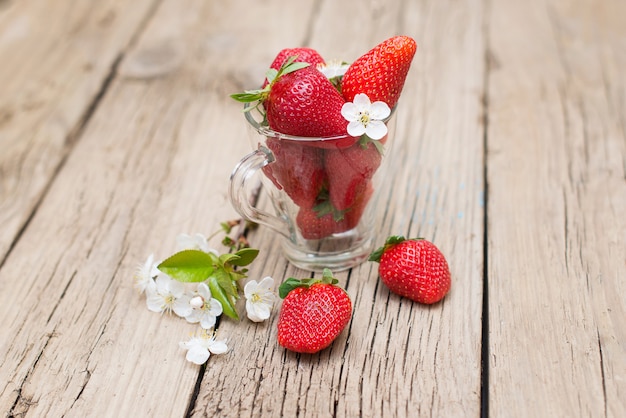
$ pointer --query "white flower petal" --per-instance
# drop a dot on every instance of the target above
(218, 347)
(215, 307)
(191, 242)
(250, 288)
(379, 110)
(257, 312)
(376, 129)
(267, 282)
(197, 355)
(350, 112)
(356, 128)
(176, 288)
(195, 316)
(207, 321)
(362, 102)
(154, 302)
(182, 306)
(204, 291)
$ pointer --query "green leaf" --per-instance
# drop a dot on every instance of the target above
(249, 96)
(294, 66)
(228, 258)
(287, 286)
(226, 282)
(228, 304)
(246, 256)
(271, 75)
(292, 283)
(390, 242)
(190, 266)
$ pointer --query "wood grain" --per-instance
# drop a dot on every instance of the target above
(396, 358)
(117, 134)
(57, 58)
(557, 195)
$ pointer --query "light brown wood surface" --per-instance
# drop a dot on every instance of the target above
(117, 134)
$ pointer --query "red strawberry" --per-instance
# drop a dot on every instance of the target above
(354, 213)
(349, 171)
(305, 103)
(298, 169)
(302, 55)
(413, 268)
(307, 55)
(314, 224)
(313, 313)
(381, 72)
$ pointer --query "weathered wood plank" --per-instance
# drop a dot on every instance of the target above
(151, 163)
(396, 358)
(557, 198)
(56, 56)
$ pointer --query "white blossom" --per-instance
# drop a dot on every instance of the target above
(204, 308)
(168, 295)
(365, 117)
(200, 348)
(145, 274)
(196, 241)
(333, 68)
(260, 299)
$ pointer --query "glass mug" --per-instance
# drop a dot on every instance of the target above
(326, 192)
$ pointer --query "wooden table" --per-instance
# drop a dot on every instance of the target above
(117, 134)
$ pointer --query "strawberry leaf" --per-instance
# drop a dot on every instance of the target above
(190, 266)
(391, 241)
(245, 257)
(293, 283)
(271, 75)
(219, 293)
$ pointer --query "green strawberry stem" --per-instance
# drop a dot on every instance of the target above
(293, 283)
(390, 242)
(260, 95)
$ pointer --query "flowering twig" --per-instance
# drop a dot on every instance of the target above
(214, 279)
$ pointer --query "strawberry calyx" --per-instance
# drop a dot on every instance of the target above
(293, 283)
(390, 242)
(325, 207)
(260, 95)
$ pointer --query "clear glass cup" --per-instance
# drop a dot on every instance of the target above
(327, 193)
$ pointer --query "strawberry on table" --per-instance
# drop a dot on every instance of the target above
(313, 313)
(413, 268)
(381, 72)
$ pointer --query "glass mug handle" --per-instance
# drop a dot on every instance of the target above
(240, 194)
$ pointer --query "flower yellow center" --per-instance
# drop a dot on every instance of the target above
(364, 118)
(255, 297)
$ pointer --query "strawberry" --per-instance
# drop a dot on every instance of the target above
(298, 169)
(381, 72)
(413, 268)
(305, 103)
(302, 55)
(316, 224)
(313, 313)
(350, 169)
(299, 100)
(353, 214)
(307, 55)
